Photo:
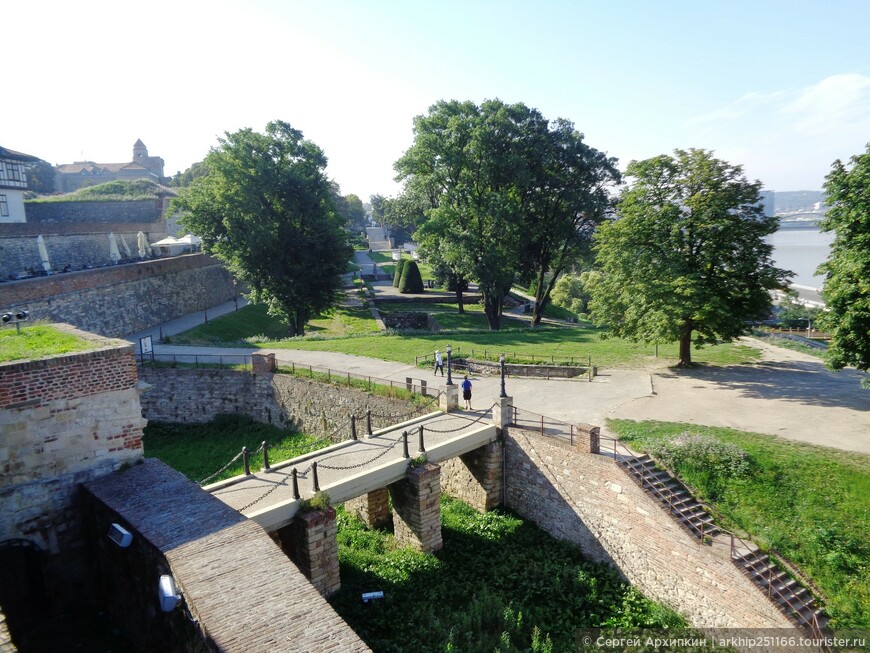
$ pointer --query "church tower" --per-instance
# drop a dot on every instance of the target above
(140, 152)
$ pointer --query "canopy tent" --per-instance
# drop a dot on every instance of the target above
(169, 241)
(190, 239)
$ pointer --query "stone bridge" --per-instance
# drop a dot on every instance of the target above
(401, 462)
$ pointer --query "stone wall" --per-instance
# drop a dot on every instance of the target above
(123, 299)
(94, 212)
(195, 396)
(73, 249)
(589, 500)
(64, 420)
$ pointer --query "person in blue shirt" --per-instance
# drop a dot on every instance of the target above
(466, 392)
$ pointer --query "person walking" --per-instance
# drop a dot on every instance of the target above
(466, 392)
(439, 363)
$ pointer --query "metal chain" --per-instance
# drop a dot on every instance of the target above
(362, 464)
(465, 425)
(263, 496)
(222, 469)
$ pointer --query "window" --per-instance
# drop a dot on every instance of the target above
(13, 171)
(4, 207)
(2, 171)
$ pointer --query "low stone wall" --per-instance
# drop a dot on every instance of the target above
(407, 320)
(489, 368)
(64, 420)
(123, 299)
(589, 500)
(195, 396)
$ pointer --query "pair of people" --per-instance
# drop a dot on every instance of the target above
(466, 383)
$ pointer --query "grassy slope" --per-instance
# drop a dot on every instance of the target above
(810, 503)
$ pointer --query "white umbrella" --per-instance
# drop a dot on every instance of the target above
(169, 241)
(125, 246)
(190, 239)
(43, 254)
(114, 254)
(142, 242)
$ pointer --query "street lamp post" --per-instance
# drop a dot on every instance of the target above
(236, 293)
(501, 361)
(449, 376)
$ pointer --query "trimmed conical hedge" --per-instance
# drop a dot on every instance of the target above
(397, 275)
(411, 281)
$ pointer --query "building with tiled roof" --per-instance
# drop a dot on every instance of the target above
(71, 176)
(13, 184)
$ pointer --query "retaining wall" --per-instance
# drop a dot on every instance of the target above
(590, 501)
(95, 212)
(197, 395)
(123, 299)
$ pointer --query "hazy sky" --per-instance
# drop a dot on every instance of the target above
(782, 88)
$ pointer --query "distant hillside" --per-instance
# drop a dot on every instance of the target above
(114, 191)
(797, 200)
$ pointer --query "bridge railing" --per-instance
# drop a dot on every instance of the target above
(198, 361)
(547, 426)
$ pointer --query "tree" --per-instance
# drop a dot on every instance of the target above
(184, 179)
(397, 273)
(411, 281)
(847, 287)
(350, 208)
(472, 160)
(574, 291)
(686, 258)
(566, 198)
(265, 210)
(40, 176)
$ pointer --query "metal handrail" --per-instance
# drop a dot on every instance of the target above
(421, 388)
(738, 544)
(561, 428)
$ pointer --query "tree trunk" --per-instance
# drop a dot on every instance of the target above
(460, 302)
(492, 309)
(686, 345)
(543, 298)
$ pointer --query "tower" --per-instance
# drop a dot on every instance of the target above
(140, 152)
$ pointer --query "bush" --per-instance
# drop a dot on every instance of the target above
(397, 276)
(411, 281)
(712, 460)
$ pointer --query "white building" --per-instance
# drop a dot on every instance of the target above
(13, 184)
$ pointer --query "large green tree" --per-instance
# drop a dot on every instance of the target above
(847, 285)
(686, 259)
(265, 210)
(473, 160)
(564, 199)
(40, 176)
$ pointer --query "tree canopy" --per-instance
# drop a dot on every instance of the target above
(686, 259)
(847, 285)
(40, 176)
(265, 210)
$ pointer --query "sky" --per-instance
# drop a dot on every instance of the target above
(779, 87)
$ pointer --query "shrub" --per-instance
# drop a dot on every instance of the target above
(707, 459)
(411, 281)
(397, 275)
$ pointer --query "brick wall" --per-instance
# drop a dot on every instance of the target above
(587, 499)
(123, 299)
(64, 420)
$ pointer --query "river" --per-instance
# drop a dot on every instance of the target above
(801, 251)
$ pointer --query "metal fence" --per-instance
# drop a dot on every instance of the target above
(543, 425)
(236, 361)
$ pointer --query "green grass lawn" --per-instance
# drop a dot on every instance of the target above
(198, 450)
(356, 332)
(252, 323)
(499, 584)
(810, 503)
(37, 341)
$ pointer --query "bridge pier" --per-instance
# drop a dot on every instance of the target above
(476, 477)
(310, 542)
(417, 508)
(373, 509)
(449, 399)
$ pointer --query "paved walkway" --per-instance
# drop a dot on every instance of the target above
(787, 394)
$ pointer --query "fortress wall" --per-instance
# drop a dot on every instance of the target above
(64, 420)
(589, 500)
(123, 299)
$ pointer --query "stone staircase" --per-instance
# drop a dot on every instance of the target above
(792, 599)
(672, 495)
(378, 240)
